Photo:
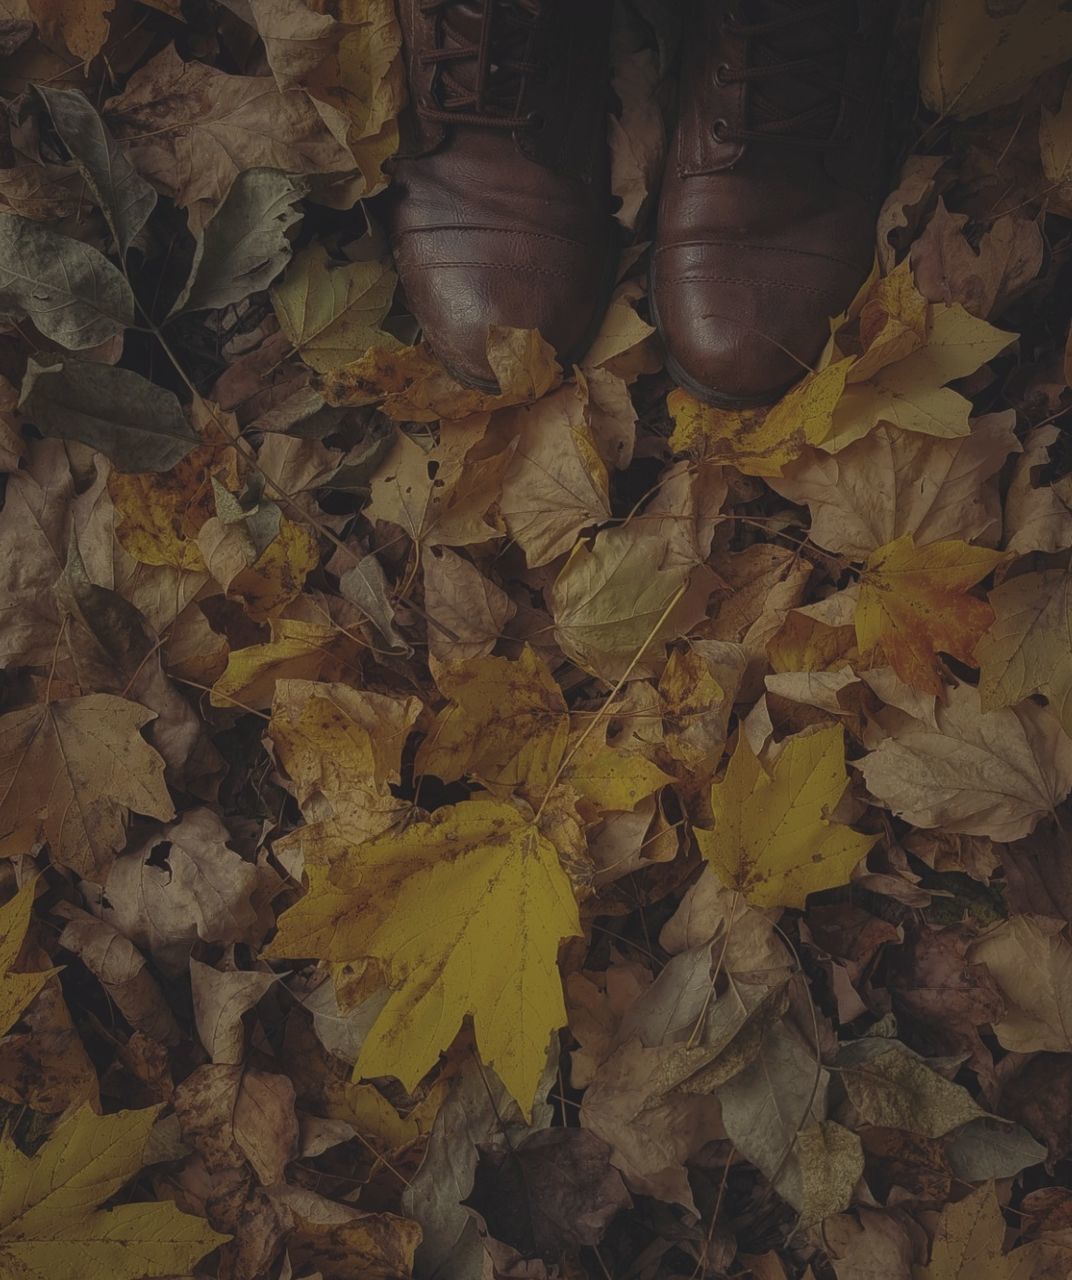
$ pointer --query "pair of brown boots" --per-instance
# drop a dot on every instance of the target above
(500, 211)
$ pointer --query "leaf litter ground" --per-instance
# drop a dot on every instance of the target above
(567, 832)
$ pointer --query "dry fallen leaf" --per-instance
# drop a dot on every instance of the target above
(1028, 647)
(50, 1223)
(914, 603)
(494, 901)
(374, 748)
(994, 773)
(773, 841)
(69, 773)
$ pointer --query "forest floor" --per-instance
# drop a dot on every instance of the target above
(571, 832)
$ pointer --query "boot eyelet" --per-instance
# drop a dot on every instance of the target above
(535, 120)
(719, 130)
(721, 71)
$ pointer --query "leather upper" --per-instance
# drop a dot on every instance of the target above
(506, 226)
(760, 241)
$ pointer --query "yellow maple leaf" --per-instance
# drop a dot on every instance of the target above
(362, 87)
(1028, 648)
(69, 771)
(773, 839)
(50, 1225)
(506, 725)
(910, 350)
(760, 442)
(16, 989)
(464, 913)
(914, 602)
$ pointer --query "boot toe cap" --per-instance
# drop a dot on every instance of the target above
(458, 293)
(736, 340)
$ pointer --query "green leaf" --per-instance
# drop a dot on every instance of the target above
(124, 197)
(244, 246)
(72, 293)
(137, 425)
(331, 313)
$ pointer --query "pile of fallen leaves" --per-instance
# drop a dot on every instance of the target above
(568, 832)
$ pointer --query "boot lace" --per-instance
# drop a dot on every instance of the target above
(483, 59)
(796, 57)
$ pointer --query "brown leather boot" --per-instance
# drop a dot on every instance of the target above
(767, 213)
(499, 209)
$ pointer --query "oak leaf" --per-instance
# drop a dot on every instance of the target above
(465, 913)
(994, 773)
(773, 840)
(70, 771)
(914, 602)
(49, 1221)
(1028, 648)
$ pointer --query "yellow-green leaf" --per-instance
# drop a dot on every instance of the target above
(773, 839)
(331, 314)
(50, 1223)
